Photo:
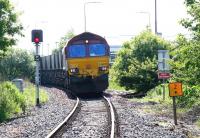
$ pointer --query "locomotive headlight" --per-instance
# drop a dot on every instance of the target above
(86, 41)
(103, 68)
(74, 70)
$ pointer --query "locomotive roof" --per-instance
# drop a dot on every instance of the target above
(86, 36)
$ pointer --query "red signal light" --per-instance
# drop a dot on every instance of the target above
(36, 36)
(36, 40)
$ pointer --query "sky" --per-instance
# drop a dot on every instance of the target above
(116, 20)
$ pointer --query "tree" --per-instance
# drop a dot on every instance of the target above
(185, 62)
(193, 22)
(9, 26)
(64, 40)
(17, 63)
(136, 63)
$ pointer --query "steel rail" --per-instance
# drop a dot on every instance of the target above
(112, 134)
(50, 135)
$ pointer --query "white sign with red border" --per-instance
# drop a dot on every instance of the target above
(164, 75)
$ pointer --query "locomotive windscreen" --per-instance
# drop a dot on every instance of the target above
(86, 50)
(97, 50)
(77, 51)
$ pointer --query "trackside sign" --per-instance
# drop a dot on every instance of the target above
(175, 89)
(163, 75)
(163, 65)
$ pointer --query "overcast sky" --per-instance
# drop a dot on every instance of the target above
(116, 20)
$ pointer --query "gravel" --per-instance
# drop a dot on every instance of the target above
(91, 121)
(134, 122)
(39, 121)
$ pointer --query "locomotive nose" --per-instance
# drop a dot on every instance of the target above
(89, 70)
(88, 66)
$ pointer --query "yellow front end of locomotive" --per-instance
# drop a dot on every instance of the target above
(91, 66)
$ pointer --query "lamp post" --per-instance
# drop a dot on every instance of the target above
(149, 16)
(85, 12)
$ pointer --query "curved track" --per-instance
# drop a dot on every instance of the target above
(94, 118)
(55, 131)
(113, 118)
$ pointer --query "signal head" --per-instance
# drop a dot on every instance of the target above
(37, 36)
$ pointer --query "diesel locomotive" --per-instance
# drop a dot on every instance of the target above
(82, 66)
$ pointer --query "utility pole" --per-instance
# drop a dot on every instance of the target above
(85, 22)
(84, 17)
(156, 17)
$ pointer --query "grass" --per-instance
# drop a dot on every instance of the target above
(156, 95)
(198, 122)
(13, 102)
(29, 93)
(114, 86)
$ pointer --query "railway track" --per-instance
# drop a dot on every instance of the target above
(94, 117)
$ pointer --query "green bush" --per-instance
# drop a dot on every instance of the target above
(136, 64)
(18, 63)
(11, 101)
(185, 65)
(14, 102)
(190, 98)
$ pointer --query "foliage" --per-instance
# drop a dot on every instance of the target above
(189, 99)
(9, 26)
(156, 95)
(63, 40)
(136, 63)
(114, 86)
(186, 66)
(11, 101)
(186, 69)
(17, 64)
(185, 63)
(193, 22)
(191, 96)
(29, 93)
(186, 54)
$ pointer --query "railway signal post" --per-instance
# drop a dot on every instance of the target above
(37, 37)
